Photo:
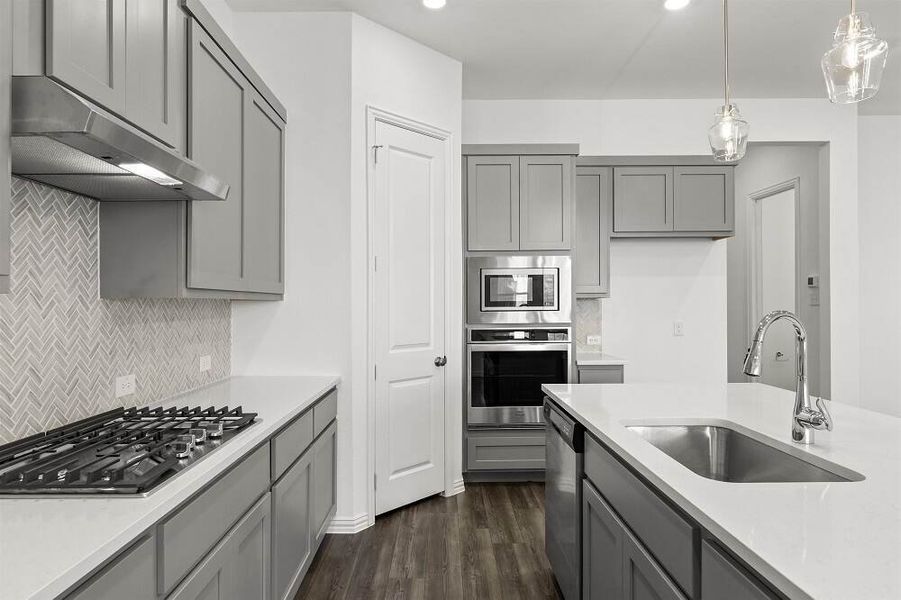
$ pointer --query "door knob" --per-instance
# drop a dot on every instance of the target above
(440, 361)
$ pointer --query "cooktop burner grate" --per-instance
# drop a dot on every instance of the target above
(123, 451)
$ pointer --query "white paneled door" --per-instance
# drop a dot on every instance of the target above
(408, 312)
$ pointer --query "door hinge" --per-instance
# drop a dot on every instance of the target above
(375, 153)
(375, 263)
(375, 371)
(375, 481)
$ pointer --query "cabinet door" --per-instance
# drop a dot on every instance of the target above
(132, 575)
(155, 51)
(721, 577)
(545, 202)
(704, 199)
(591, 252)
(492, 202)
(86, 48)
(601, 374)
(263, 197)
(642, 199)
(291, 531)
(5, 177)
(643, 578)
(216, 142)
(323, 493)
(238, 567)
(602, 548)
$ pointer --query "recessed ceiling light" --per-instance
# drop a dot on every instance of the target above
(436, 4)
(676, 4)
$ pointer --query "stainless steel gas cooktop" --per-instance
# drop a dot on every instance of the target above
(120, 452)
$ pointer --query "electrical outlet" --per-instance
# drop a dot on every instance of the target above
(206, 363)
(593, 340)
(125, 385)
(678, 328)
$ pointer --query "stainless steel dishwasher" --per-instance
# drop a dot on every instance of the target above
(563, 499)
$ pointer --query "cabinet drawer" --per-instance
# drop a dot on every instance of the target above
(291, 442)
(195, 529)
(325, 411)
(671, 539)
(721, 577)
(130, 576)
(601, 374)
(505, 451)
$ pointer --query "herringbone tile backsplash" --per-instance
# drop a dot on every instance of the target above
(61, 346)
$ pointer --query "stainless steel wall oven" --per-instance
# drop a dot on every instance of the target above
(506, 369)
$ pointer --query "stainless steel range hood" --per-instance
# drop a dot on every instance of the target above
(64, 140)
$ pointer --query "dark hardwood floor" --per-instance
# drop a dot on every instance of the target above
(484, 544)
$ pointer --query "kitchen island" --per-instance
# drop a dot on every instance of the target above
(50, 546)
(823, 541)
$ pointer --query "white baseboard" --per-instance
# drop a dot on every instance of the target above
(457, 488)
(348, 525)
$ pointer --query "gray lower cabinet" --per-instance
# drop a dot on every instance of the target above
(603, 537)
(601, 373)
(505, 450)
(238, 567)
(86, 49)
(545, 202)
(292, 540)
(324, 489)
(591, 250)
(132, 576)
(643, 578)
(492, 202)
(722, 577)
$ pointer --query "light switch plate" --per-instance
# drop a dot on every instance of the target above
(593, 340)
(125, 385)
(206, 363)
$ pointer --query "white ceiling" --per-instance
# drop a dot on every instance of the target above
(630, 48)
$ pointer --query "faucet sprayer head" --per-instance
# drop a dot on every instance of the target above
(752, 358)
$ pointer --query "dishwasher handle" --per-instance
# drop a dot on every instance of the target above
(565, 426)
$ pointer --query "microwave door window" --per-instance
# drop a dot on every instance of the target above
(504, 378)
(519, 291)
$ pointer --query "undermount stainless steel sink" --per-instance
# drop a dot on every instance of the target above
(724, 454)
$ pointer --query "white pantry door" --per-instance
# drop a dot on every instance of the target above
(408, 312)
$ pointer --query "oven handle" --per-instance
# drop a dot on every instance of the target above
(522, 347)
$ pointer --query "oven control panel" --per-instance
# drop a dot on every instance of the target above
(519, 335)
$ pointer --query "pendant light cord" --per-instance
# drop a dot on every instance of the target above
(726, 50)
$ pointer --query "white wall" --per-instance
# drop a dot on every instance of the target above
(327, 68)
(880, 262)
(656, 282)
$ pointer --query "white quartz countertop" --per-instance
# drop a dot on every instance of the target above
(47, 545)
(588, 358)
(822, 541)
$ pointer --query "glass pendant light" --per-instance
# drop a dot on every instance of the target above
(729, 134)
(853, 66)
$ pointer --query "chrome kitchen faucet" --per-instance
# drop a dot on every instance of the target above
(806, 418)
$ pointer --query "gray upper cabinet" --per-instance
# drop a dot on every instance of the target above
(264, 194)
(5, 176)
(591, 251)
(132, 575)
(545, 202)
(704, 199)
(86, 49)
(642, 199)
(155, 94)
(216, 140)
(492, 202)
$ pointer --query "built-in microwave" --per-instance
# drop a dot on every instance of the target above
(518, 290)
